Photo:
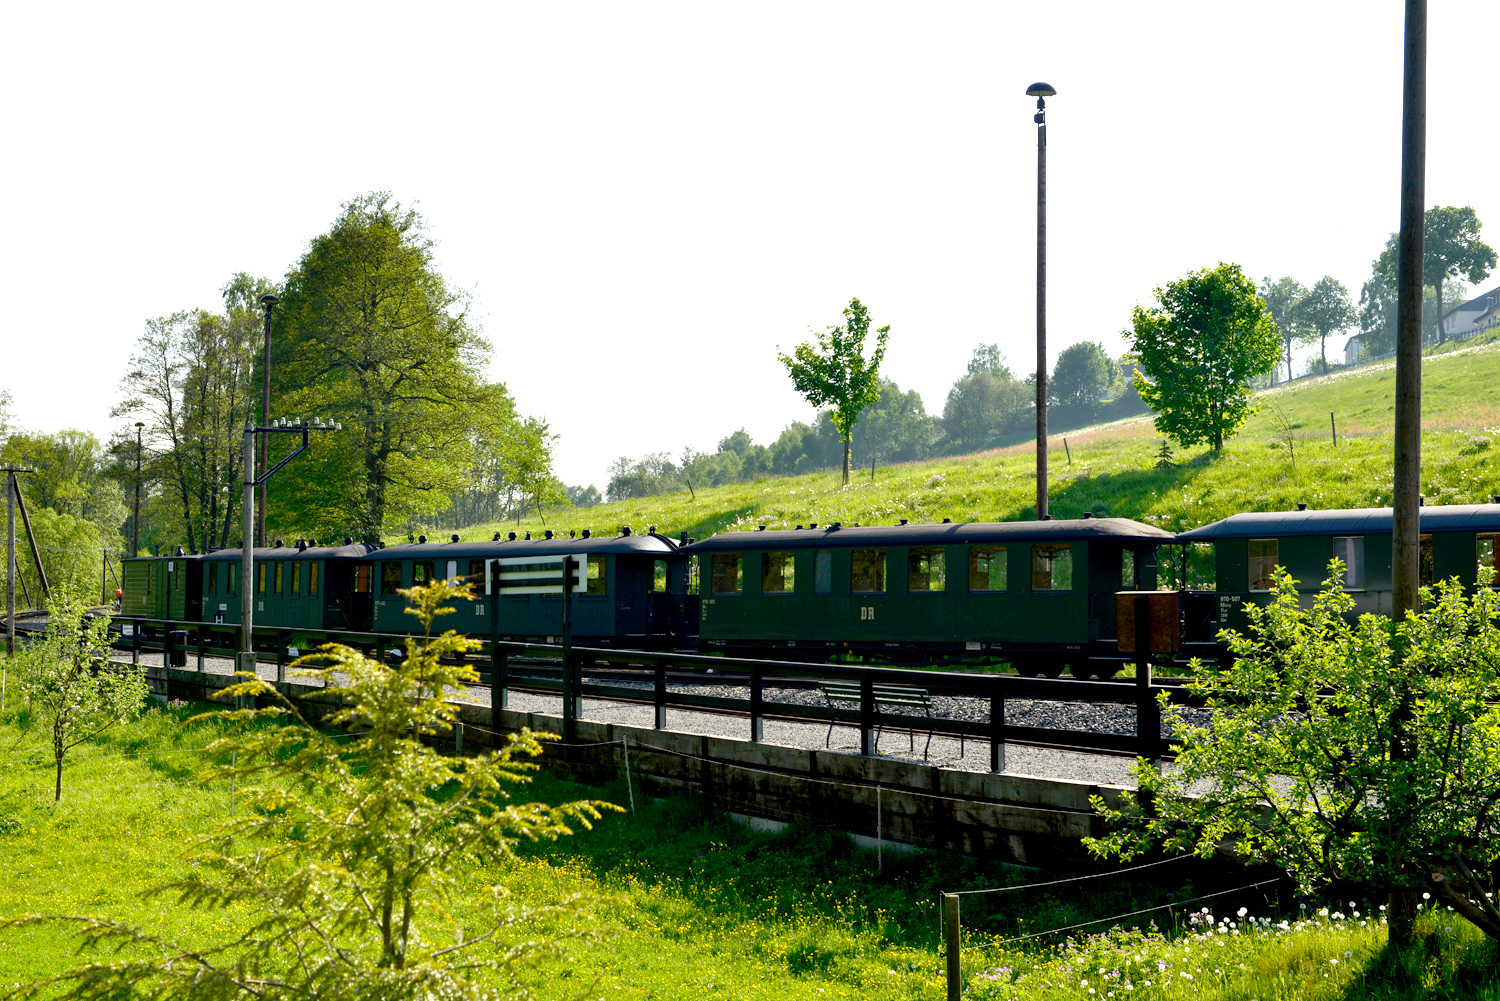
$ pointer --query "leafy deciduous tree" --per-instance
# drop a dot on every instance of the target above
(1340, 750)
(836, 373)
(1197, 349)
(1281, 297)
(1451, 248)
(71, 690)
(1083, 374)
(1324, 310)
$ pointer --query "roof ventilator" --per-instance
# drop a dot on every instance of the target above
(587, 532)
(512, 536)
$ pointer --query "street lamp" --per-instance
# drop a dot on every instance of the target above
(268, 301)
(1041, 91)
(135, 525)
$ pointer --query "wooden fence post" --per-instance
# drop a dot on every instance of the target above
(952, 946)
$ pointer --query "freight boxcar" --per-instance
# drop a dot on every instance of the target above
(162, 587)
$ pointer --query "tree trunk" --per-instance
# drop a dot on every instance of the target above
(57, 794)
(1323, 350)
(848, 444)
(1441, 334)
(1289, 359)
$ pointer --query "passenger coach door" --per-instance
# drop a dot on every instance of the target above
(348, 601)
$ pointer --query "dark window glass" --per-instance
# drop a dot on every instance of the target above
(726, 573)
(987, 568)
(421, 573)
(867, 574)
(362, 575)
(1262, 562)
(822, 572)
(924, 570)
(778, 573)
(475, 580)
(659, 576)
(390, 577)
(213, 578)
(1052, 567)
(312, 576)
(597, 582)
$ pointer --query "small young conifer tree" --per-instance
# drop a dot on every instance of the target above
(339, 867)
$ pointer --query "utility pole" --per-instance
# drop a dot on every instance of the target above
(268, 301)
(1405, 497)
(1041, 92)
(135, 522)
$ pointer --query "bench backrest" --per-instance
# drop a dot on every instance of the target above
(890, 695)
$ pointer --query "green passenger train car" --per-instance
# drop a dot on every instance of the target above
(161, 587)
(634, 595)
(1040, 595)
(296, 587)
(1455, 541)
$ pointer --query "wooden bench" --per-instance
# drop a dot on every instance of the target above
(885, 695)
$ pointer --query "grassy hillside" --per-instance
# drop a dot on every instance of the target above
(1283, 457)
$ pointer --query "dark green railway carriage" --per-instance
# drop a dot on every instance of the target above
(631, 598)
(1455, 540)
(296, 587)
(1040, 594)
(162, 587)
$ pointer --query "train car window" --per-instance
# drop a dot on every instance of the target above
(476, 575)
(778, 573)
(421, 573)
(924, 570)
(362, 574)
(597, 581)
(659, 576)
(727, 578)
(1262, 562)
(213, 578)
(1425, 560)
(312, 577)
(260, 578)
(987, 569)
(277, 581)
(867, 574)
(822, 572)
(296, 579)
(452, 573)
(390, 577)
(1127, 570)
(232, 579)
(694, 579)
(150, 579)
(1485, 545)
(1351, 549)
(1052, 567)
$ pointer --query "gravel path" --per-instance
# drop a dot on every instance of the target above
(947, 752)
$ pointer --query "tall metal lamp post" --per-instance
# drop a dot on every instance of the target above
(135, 523)
(1041, 91)
(268, 301)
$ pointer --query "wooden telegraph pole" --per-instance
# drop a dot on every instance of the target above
(1406, 527)
(1041, 92)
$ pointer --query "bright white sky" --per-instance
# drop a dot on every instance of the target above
(645, 200)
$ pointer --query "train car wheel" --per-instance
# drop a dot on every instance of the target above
(1053, 670)
(1105, 670)
(1026, 668)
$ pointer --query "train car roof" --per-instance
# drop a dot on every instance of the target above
(357, 551)
(1349, 521)
(647, 544)
(1076, 529)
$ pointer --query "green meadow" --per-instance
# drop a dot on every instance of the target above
(681, 903)
(1285, 455)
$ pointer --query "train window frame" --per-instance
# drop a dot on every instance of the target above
(778, 572)
(232, 579)
(312, 577)
(597, 576)
(213, 578)
(476, 574)
(1256, 563)
(260, 578)
(391, 582)
(919, 580)
(1049, 562)
(996, 556)
(423, 572)
(296, 580)
(364, 578)
(822, 571)
(1493, 541)
(278, 579)
(721, 569)
(1352, 552)
(1127, 569)
(660, 577)
(867, 566)
(1424, 560)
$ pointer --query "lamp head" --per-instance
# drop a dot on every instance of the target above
(1040, 90)
(268, 300)
(140, 424)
